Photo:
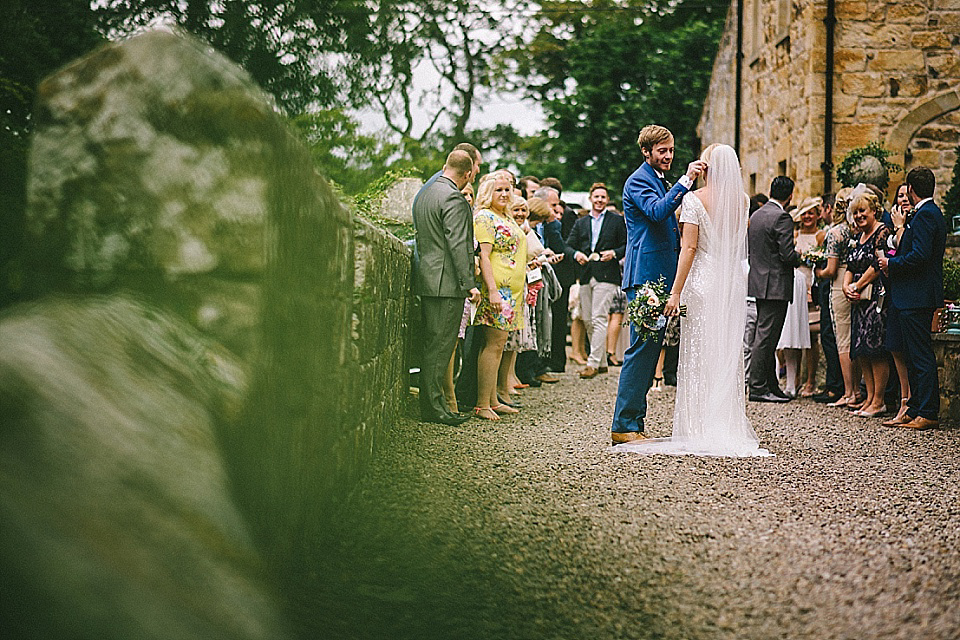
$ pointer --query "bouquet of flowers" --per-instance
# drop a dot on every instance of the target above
(645, 311)
(814, 257)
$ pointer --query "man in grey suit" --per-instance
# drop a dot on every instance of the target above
(443, 276)
(773, 256)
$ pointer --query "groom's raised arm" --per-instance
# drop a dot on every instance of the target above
(642, 190)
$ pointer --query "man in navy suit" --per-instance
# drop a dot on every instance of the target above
(653, 245)
(915, 276)
(597, 243)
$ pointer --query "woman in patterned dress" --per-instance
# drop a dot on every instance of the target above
(863, 286)
(503, 268)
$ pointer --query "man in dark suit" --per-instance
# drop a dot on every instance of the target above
(915, 277)
(566, 271)
(653, 244)
(773, 257)
(443, 276)
(597, 242)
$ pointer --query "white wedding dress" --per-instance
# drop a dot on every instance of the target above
(709, 418)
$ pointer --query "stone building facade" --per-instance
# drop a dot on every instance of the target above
(894, 73)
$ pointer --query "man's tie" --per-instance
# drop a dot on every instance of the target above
(666, 185)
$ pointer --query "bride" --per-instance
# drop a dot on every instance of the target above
(709, 418)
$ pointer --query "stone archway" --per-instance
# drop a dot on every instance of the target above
(928, 136)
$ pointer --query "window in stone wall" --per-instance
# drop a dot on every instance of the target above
(784, 8)
(754, 28)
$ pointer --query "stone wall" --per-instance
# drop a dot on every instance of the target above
(897, 80)
(158, 169)
(946, 347)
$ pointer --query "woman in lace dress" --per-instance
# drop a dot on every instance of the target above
(863, 286)
(710, 418)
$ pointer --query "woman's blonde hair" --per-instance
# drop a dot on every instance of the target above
(841, 205)
(538, 210)
(868, 198)
(485, 191)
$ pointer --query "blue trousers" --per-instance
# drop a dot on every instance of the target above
(921, 363)
(636, 376)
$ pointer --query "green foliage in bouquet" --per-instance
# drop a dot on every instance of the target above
(645, 311)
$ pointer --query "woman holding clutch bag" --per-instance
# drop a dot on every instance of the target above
(863, 287)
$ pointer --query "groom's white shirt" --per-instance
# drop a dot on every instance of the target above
(684, 179)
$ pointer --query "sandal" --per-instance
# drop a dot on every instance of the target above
(657, 383)
(842, 401)
(505, 408)
(478, 412)
(807, 391)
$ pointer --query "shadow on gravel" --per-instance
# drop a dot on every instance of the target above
(416, 554)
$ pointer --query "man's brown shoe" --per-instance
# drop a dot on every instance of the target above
(896, 422)
(549, 378)
(601, 369)
(629, 436)
(920, 424)
(588, 372)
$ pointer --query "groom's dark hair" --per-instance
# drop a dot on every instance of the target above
(781, 188)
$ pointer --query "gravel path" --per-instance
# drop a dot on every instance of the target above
(531, 528)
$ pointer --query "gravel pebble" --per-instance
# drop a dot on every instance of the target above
(532, 528)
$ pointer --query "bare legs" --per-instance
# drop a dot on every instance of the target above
(791, 360)
(578, 340)
(506, 377)
(875, 373)
(901, 365)
(658, 373)
(614, 324)
(448, 388)
(488, 367)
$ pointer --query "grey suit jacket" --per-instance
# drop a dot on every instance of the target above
(444, 235)
(773, 254)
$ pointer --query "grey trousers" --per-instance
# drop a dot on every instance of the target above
(441, 323)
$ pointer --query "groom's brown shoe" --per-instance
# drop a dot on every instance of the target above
(629, 436)
(920, 424)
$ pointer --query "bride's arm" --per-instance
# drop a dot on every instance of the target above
(688, 249)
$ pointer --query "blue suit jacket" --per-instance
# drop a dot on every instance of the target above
(915, 274)
(653, 236)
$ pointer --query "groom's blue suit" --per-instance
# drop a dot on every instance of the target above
(653, 245)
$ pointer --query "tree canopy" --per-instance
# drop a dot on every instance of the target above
(603, 70)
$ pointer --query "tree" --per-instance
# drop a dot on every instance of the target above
(301, 51)
(602, 70)
(454, 42)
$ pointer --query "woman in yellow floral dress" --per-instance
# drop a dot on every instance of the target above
(503, 269)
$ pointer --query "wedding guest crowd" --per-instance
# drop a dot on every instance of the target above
(500, 263)
(866, 282)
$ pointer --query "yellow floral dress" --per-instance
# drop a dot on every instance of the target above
(508, 259)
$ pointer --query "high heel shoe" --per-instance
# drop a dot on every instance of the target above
(613, 362)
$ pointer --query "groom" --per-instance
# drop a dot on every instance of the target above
(653, 245)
